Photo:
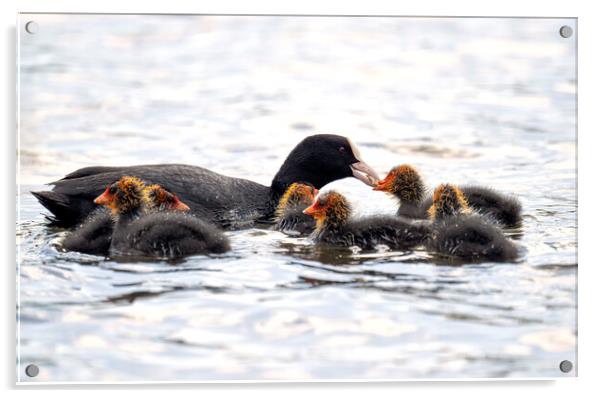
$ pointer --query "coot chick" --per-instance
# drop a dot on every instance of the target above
(405, 183)
(230, 202)
(163, 200)
(459, 233)
(140, 232)
(333, 226)
(290, 218)
(93, 236)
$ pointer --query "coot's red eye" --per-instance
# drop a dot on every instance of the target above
(342, 150)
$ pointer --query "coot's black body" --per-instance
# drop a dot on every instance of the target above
(225, 201)
(93, 236)
(369, 232)
(166, 235)
(470, 237)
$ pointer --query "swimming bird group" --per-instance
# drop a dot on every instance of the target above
(171, 211)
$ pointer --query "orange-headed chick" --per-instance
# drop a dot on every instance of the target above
(93, 236)
(448, 200)
(459, 233)
(289, 215)
(334, 226)
(162, 199)
(405, 183)
(127, 196)
(142, 232)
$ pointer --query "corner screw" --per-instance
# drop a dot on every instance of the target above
(32, 370)
(566, 366)
(566, 31)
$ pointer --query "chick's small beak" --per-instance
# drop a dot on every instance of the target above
(364, 173)
(181, 206)
(382, 185)
(104, 199)
(311, 210)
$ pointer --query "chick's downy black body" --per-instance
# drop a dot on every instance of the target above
(225, 201)
(370, 232)
(167, 235)
(457, 232)
(470, 237)
(502, 208)
(139, 231)
(294, 222)
(93, 236)
(334, 226)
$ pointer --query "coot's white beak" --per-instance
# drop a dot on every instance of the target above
(364, 173)
(361, 170)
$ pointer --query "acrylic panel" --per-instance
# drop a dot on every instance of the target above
(469, 102)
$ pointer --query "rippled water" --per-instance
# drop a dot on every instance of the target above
(489, 101)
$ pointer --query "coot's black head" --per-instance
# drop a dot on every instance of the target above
(448, 200)
(329, 209)
(124, 196)
(320, 159)
(405, 183)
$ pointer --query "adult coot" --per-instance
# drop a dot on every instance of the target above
(290, 218)
(334, 226)
(93, 236)
(459, 233)
(405, 183)
(230, 202)
(138, 232)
